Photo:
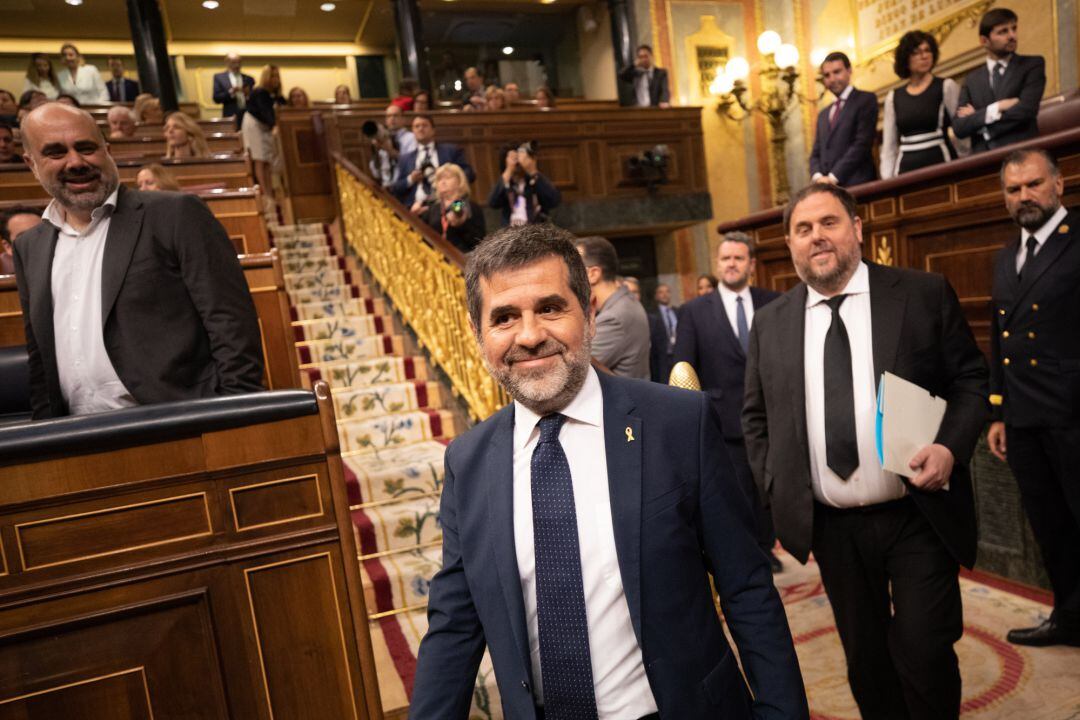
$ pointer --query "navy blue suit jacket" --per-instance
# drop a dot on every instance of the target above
(846, 149)
(677, 513)
(223, 94)
(707, 341)
(447, 152)
(131, 90)
(1024, 79)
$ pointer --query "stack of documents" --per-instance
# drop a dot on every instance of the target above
(908, 419)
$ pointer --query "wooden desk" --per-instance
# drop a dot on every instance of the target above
(153, 146)
(188, 560)
(101, 112)
(949, 219)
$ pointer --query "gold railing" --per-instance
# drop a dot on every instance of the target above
(425, 285)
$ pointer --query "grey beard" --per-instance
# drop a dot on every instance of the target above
(544, 401)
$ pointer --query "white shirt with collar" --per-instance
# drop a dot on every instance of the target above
(88, 379)
(429, 151)
(993, 110)
(642, 79)
(841, 98)
(618, 669)
(236, 79)
(727, 296)
(1041, 236)
(869, 484)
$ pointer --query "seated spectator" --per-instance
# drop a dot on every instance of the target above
(32, 100)
(298, 98)
(844, 141)
(155, 177)
(416, 170)
(999, 103)
(453, 214)
(121, 122)
(121, 89)
(9, 108)
(512, 92)
(81, 81)
(40, 77)
(473, 92)
(706, 284)
(7, 144)
(406, 97)
(342, 95)
(522, 193)
(621, 343)
(14, 221)
(917, 115)
(545, 99)
(422, 102)
(148, 110)
(184, 138)
(258, 126)
(496, 99)
(68, 100)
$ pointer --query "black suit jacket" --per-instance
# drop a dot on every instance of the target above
(707, 341)
(1025, 78)
(846, 149)
(677, 513)
(659, 92)
(131, 90)
(223, 93)
(661, 351)
(447, 152)
(920, 334)
(178, 320)
(1038, 321)
(541, 197)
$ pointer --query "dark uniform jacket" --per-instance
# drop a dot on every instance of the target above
(1035, 332)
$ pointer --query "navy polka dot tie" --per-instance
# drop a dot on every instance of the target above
(565, 667)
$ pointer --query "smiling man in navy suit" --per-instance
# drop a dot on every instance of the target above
(713, 337)
(581, 524)
(844, 141)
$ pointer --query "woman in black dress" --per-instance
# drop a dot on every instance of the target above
(918, 115)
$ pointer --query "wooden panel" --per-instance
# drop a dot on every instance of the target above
(123, 695)
(273, 502)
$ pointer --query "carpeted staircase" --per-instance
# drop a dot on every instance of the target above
(393, 424)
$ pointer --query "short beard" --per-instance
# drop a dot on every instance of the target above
(831, 281)
(1033, 216)
(544, 391)
(85, 200)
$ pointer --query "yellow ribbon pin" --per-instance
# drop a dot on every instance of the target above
(1063, 229)
(629, 435)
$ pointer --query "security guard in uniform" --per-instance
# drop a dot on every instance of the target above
(1035, 377)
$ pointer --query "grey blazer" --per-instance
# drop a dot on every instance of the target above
(178, 319)
(622, 336)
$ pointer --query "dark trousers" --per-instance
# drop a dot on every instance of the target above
(1046, 463)
(764, 531)
(899, 648)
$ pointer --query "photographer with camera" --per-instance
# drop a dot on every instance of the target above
(459, 219)
(416, 170)
(388, 143)
(522, 193)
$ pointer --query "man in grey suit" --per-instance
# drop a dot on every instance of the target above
(1000, 100)
(888, 546)
(128, 298)
(622, 327)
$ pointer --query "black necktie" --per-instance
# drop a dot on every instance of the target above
(841, 445)
(1032, 246)
(995, 79)
(565, 663)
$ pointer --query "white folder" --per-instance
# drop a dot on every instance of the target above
(908, 420)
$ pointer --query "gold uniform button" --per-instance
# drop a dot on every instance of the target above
(1035, 307)
(1005, 361)
(1031, 335)
(1001, 312)
(1005, 334)
(1034, 362)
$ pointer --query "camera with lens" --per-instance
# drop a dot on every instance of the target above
(648, 167)
(375, 132)
(457, 207)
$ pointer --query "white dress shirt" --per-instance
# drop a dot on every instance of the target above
(42, 86)
(869, 483)
(727, 296)
(88, 379)
(619, 681)
(993, 110)
(87, 87)
(237, 80)
(429, 153)
(1041, 236)
(642, 79)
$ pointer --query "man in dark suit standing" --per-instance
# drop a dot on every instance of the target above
(663, 329)
(579, 525)
(888, 546)
(1000, 100)
(713, 338)
(645, 84)
(413, 181)
(1035, 377)
(844, 141)
(128, 298)
(232, 88)
(120, 88)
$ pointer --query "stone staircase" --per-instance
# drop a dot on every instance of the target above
(394, 423)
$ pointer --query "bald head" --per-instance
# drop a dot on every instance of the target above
(55, 115)
(232, 62)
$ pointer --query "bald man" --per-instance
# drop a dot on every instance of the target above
(232, 88)
(128, 298)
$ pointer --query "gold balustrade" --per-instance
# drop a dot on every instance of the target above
(426, 286)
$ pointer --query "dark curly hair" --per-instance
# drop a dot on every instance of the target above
(907, 47)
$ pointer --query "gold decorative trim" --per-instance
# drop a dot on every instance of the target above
(399, 551)
(997, 400)
(397, 611)
(337, 607)
(883, 254)
(244, 488)
(392, 501)
(103, 511)
(952, 253)
(97, 678)
(940, 30)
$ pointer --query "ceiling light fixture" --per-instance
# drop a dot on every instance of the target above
(211, 4)
(508, 50)
(328, 7)
(74, 2)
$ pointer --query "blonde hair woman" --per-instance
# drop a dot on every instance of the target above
(154, 177)
(456, 217)
(258, 126)
(184, 138)
(496, 98)
(147, 110)
(81, 81)
(41, 77)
